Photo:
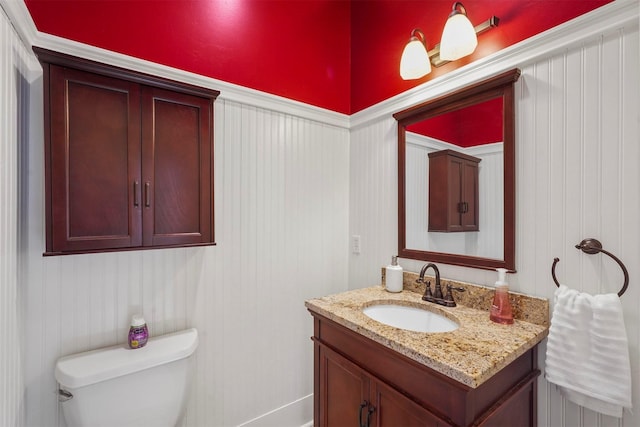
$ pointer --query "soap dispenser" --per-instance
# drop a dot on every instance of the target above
(501, 307)
(393, 276)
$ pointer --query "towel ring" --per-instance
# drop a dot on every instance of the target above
(593, 246)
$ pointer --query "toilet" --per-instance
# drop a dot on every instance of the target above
(118, 386)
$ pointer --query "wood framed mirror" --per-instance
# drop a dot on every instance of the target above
(476, 121)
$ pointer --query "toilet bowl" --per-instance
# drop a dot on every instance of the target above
(118, 386)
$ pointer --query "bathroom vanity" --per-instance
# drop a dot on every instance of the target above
(370, 374)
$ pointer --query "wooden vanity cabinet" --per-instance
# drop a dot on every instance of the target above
(358, 382)
(128, 158)
(453, 191)
(350, 396)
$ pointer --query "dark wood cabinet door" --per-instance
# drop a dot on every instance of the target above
(453, 192)
(455, 184)
(93, 162)
(469, 216)
(392, 409)
(344, 392)
(515, 409)
(350, 396)
(176, 168)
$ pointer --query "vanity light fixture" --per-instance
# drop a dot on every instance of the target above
(459, 39)
(415, 59)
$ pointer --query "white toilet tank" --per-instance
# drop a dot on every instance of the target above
(117, 386)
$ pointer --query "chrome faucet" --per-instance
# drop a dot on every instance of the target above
(437, 296)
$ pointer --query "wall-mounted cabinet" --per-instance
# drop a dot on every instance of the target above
(453, 191)
(128, 159)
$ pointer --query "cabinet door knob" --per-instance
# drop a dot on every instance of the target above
(136, 194)
(147, 194)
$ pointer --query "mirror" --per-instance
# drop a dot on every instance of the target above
(475, 122)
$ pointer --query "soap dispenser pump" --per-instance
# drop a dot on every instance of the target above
(501, 307)
(393, 276)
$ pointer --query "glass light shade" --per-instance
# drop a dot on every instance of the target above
(458, 38)
(415, 60)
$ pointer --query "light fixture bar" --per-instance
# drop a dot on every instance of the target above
(487, 25)
(434, 54)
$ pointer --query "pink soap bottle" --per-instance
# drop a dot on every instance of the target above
(501, 307)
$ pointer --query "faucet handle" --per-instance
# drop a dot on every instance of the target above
(448, 298)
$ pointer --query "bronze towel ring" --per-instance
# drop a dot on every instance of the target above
(593, 246)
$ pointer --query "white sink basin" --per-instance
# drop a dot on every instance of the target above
(410, 318)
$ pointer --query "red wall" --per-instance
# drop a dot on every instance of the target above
(474, 125)
(336, 54)
(296, 49)
(380, 29)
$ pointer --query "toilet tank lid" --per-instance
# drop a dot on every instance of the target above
(90, 367)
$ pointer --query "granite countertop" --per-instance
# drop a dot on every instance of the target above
(471, 354)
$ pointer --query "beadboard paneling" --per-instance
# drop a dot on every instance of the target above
(15, 65)
(373, 207)
(577, 150)
(281, 217)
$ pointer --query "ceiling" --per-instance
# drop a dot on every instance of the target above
(336, 54)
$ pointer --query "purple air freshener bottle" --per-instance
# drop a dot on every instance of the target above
(138, 332)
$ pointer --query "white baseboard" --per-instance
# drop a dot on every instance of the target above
(295, 414)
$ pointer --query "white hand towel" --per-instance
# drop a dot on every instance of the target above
(588, 352)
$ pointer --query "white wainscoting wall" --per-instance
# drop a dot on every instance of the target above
(577, 176)
(281, 231)
(281, 225)
(15, 70)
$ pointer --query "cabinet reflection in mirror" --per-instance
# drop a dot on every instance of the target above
(456, 188)
(453, 204)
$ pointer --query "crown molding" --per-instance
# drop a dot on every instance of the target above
(20, 18)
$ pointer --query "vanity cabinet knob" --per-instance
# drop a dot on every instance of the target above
(363, 405)
(371, 411)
